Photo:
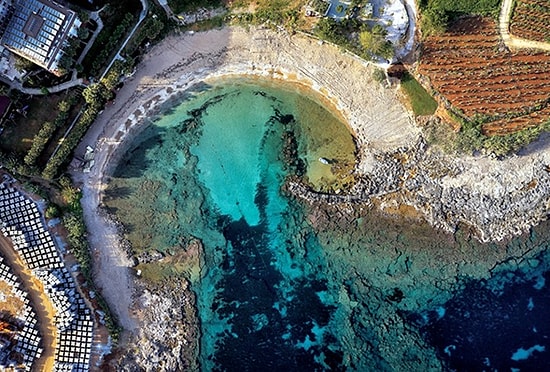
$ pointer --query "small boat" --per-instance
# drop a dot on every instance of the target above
(324, 161)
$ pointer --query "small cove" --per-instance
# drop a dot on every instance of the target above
(277, 290)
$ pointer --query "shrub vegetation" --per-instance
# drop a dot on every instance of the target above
(180, 6)
(436, 14)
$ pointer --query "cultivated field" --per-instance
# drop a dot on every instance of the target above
(479, 76)
(531, 20)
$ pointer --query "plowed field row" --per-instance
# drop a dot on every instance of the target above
(507, 65)
(533, 80)
(531, 20)
(497, 89)
(508, 126)
(479, 76)
(473, 56)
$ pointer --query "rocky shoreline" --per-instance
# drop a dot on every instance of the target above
(497, 199)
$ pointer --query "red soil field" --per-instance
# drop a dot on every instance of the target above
(531, 20)
(471, 68)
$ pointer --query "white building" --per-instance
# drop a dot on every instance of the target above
(37, 30)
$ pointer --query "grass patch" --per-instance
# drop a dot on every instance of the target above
(18, 134)
(482, 7)
(437, 15)
(422, 102)
(286, 13)
(207, 24)
(470, 139)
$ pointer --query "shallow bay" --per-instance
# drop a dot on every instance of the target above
(283, 285)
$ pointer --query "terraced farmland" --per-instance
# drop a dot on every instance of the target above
(531, 20)
(470, 68)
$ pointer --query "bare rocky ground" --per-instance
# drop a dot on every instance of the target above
(496, 198)
(397, 172)
(167, 339)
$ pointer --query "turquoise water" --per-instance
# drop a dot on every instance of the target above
(233, 155)
(286, 286)
(212, 168)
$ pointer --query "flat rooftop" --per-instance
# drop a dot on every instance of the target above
(37, 30)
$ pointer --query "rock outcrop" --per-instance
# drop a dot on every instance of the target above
(496, 198)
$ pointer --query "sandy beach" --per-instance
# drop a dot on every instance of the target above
(379, 121)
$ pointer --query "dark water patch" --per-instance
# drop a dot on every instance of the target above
(500, 324)
(270, 328)
(293, 287)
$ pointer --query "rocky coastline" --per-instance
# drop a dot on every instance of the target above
(497, 199)
(397, 172)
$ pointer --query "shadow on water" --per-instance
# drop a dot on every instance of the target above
(500, 323)
(118, 192)
(269, 328)
(135, 160)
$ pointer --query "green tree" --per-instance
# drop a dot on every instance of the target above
(65, 62)
(23, 64)
(328, 29)
(70, 194)
(153, 27)
(96, 95)
(112, 78)
(39, 142)
(52, 211)
(75, 227)
(83, 15)
(64, 106)
(434, 21)
(83, 33)
(374, 41)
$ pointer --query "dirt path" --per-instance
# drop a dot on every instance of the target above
(510, 40)
(42, 305)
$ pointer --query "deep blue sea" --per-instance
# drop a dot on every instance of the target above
(288, 287)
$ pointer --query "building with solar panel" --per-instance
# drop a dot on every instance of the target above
(37, 30)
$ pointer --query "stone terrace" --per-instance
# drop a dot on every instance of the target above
(21, 222)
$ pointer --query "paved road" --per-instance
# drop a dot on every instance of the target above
(95, 17)
(405, 53)
(16, 84)
(510, 40)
